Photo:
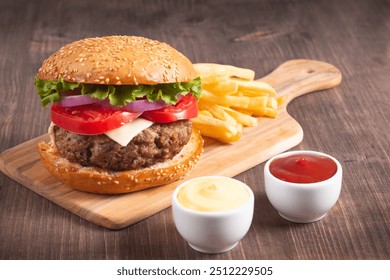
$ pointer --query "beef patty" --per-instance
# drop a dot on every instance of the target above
(155, 144)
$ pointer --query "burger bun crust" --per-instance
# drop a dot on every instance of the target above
(118, 60)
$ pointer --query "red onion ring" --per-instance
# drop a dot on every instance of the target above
(76, 100)
(144, 105)
(140, 105)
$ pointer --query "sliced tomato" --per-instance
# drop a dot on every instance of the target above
(90, 119)
(186, 108)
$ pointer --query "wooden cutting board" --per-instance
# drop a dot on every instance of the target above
(270, 137)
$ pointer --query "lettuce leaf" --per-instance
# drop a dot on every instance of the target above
(49, 91)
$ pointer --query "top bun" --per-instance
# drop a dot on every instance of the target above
(118, 60)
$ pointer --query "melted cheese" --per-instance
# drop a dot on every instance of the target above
(50, 130)
(124, 134)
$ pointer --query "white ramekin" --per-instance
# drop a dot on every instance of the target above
(302, 202)
(213, 232)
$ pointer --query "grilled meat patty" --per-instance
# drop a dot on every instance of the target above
(155, 144)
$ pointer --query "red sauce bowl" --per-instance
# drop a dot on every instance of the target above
(303, 185)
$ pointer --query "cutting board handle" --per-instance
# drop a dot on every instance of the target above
(299, 76)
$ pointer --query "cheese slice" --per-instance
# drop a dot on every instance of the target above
(50, 130)
(124, 134)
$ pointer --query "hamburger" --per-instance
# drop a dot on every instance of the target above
(121, 109)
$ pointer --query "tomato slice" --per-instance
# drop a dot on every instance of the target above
(186, 108)
(96, 118)
(90, 119)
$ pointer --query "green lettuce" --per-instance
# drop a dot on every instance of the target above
(49, 91)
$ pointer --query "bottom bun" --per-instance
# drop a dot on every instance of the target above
(97, 180)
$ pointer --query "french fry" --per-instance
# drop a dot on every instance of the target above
(258, 108)
(218, 129)
(250, 94)
(257, 103)
(241, 73)
(272, 103)
(214, 73)
(269, 112)
(217, 112)
(231, 99)
(253, 88)
(205, 113)
(228, 114)
(243, 111)
(222, 88)
(227, 101)
(211, 73)
(244, 119)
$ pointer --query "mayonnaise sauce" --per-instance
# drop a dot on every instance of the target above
(213, 194)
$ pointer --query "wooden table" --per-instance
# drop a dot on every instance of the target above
(351, 122)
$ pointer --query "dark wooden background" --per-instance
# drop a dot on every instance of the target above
(351, 122)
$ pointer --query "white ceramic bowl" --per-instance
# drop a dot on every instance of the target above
(302, 202)
(213, 232)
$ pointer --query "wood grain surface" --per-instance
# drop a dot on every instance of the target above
(270, 137)
(350, 122)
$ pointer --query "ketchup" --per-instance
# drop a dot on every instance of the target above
(303, 168)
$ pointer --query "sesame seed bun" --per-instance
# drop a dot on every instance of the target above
(97, 180)
(118, 60)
